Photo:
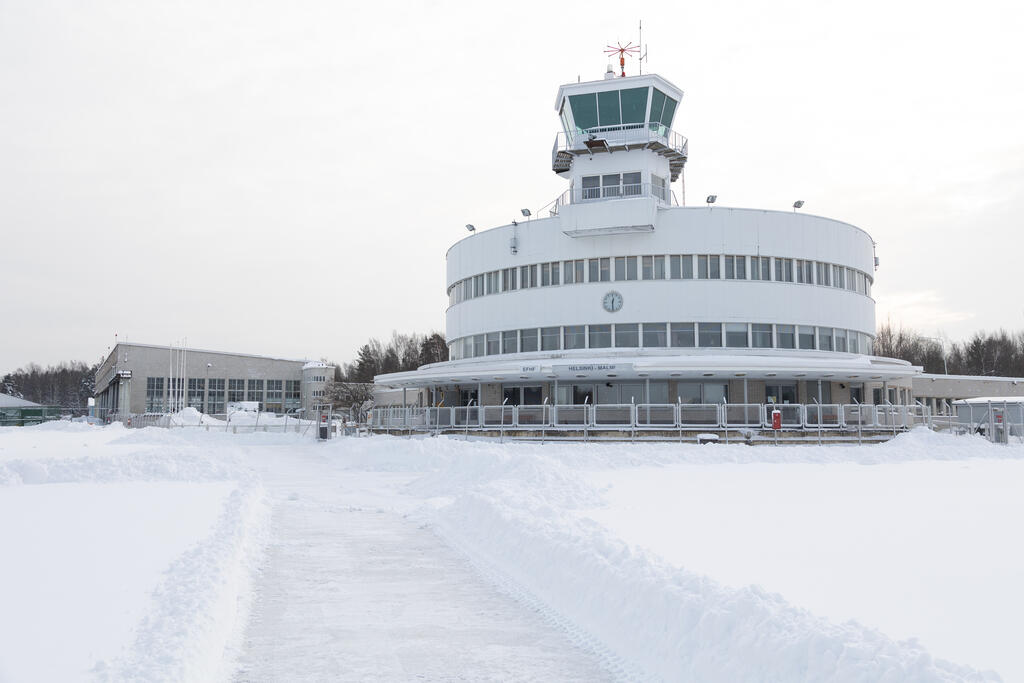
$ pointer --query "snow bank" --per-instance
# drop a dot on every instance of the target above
(509, 509)
(198, 612)
(191, 597)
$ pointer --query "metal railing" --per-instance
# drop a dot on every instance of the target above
(620, 135)
(586, 195)
(656, 416)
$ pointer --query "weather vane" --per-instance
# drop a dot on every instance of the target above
(623, 50)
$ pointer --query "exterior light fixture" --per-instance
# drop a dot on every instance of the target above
(470, 227)
(526, 212)
(712, 198)
(798, 204)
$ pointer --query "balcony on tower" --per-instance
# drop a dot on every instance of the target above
(618, 115)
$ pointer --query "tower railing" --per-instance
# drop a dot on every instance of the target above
(625, 134)
(581, 195)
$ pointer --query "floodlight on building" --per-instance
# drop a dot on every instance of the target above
(470, 227)
(798, 204)
(526, 212)
(712, 198)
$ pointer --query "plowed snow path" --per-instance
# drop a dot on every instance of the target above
(361, 593)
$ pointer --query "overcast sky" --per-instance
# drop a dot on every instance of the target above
(285, 178)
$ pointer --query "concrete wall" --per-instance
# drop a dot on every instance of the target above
(153, 361)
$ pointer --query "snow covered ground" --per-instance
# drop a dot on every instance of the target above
(184, 554)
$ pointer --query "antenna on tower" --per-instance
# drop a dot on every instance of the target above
(640, 41)
(622, 51)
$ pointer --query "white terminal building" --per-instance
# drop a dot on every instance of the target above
(621, 294)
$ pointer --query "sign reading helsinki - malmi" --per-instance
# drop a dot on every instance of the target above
(590, 367)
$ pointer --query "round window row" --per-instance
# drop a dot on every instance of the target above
(662, 335)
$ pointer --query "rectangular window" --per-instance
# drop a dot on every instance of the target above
(803, 272)
(783, 270)
(236, 390)
(508, 280)
(608, 108)
(570, 274)
(479, 344)
(292, 394)
(528, 276)
(853, 345)
(275, 390)
(851, 279)
(595, 270)
(735, 267)
(655, 335)
(708, 267)
(824, 274)
(600, 336)
(806, 337)
(493, 343)
(611, 185)
(625, 268)
(154, 394)
(254, 392)
(631, 186)
(550, 338)
(709, 334)
(555, 274)
(653, 268)
(215, 397)
(528, 340)
(634, 104)
(577, 267)
(685, 267)
(787, 336)
(627, 335)
(840, 340)
(760, 268)
(575, 337)
(509, 341)
(736, 335)
(825, 338)
(584, 110)
(606, 270)
(681, 335)
(761, 335)
(839, 277)
(545, 275)
(592, 187)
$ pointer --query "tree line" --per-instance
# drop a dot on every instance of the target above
(993, 354)
(67, 384)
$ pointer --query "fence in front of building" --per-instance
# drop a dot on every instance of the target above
(652, 416)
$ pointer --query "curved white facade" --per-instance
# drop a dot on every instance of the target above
(682, 232)
(619, 284)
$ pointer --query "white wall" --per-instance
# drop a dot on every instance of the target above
(678, 231)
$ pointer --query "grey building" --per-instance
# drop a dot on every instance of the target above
(147, 378)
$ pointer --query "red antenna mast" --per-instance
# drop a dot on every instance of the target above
(622, 50)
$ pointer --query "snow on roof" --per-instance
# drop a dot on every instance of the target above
(314, 364)
(8, 401)
(992, 399)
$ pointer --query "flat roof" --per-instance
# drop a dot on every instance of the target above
(167, 347)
